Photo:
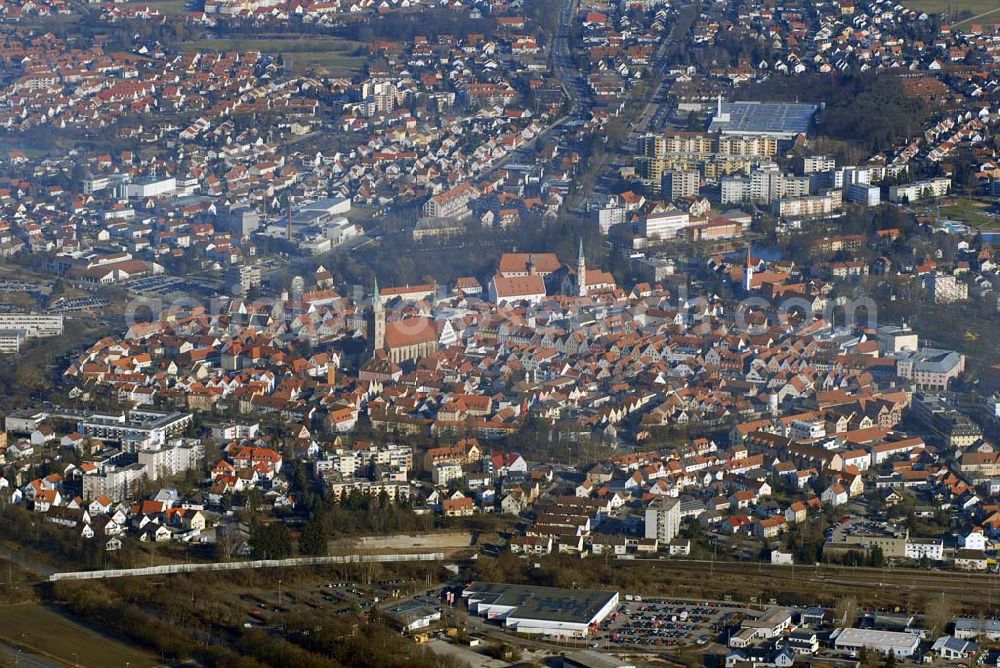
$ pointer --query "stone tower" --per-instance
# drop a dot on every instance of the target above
(581, 272)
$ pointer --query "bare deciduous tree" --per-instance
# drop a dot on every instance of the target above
(847, 610)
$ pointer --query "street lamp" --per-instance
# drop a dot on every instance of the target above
(279, 593)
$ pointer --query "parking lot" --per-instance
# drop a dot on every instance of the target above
(156, 286)
(667, 623)
(8, 286)
(78, 304)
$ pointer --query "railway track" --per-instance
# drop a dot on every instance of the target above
(907, 587)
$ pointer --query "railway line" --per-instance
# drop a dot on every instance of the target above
(826, 583)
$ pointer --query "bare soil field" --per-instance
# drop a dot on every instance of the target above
(425, 542)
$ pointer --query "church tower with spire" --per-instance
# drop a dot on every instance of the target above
(748, 273)
(581, 272)
(376, 329)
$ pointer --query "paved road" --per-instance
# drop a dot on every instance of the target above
(653, 117)
(565, 69)
(27, 659)
(657, 100)
(25, 562)
(574, 86)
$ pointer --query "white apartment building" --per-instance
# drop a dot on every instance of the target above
(912, 192)
(809, 207)
(734, 189)
(847, 176)
(818, 163)
(932, 548)
(444, 472)
(663, 519)
(764, 185)
(136, 429)
(945, 288)
(664, 225)
(235, 431)
(803, 430)
(681, 183)
(861, 193)
(10, 341)
(118, 483)
(609, 216)
(32, 324)
(177, 456)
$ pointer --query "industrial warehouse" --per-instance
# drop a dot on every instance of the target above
(550, 611)
(899, 643)
(763, 119)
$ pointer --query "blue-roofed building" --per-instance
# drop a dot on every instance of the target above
(767, 119)
(967, 628)
(813, 617)
(950, 648)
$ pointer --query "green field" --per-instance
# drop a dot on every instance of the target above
(339, 57)
(39, 630)
(168, 7)
(955, 8)
(973, 212)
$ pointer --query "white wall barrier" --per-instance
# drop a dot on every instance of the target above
(238, 565)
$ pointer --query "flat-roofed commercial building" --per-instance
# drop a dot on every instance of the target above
(893, 339)
(781, 121)
(549, 611)
(771, 624)
(411, 615)
(151, 187)
(883, 642)
(587, 658)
